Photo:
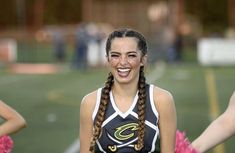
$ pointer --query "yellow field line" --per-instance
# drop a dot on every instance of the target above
(59, 97)
(213, 102)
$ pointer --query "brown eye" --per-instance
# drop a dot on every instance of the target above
(132, 55)
(114, 56)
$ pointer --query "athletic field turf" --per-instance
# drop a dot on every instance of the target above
(50, 102)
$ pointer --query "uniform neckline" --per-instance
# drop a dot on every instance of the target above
(123, 114)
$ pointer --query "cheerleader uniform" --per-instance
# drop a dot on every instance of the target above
(119, 130)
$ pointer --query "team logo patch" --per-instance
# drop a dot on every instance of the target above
(122, 134)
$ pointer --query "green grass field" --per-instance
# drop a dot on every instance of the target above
(50, 103)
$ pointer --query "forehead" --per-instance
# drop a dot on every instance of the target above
(124, 44)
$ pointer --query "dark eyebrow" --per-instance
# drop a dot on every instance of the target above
(114, 52)
(129, 52)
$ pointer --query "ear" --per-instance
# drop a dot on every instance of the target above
(143, 60)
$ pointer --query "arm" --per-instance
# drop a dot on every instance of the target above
(167, 120)
(13, 120)
(86, 123)
(219, 130)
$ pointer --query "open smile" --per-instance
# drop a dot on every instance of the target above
(123, 72)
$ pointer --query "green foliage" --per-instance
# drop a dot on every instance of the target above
(213, 14)
(59, 12)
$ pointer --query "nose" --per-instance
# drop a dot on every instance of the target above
(123, 60)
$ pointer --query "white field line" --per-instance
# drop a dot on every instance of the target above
(74, 147)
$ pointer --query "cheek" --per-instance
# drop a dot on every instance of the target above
(135, 62)
(113, 62)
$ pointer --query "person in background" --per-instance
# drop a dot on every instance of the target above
(81, 48)
(219, 130)
(13, 121)
(59, 46)
(127, 114)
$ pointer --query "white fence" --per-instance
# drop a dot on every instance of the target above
(8, 50)
(216, 51)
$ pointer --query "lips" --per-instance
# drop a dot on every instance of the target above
(123, 72)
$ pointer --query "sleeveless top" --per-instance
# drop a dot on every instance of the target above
(119, 130)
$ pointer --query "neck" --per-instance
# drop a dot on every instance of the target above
(125, 89)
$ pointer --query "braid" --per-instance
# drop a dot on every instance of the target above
(101, 111)
(142, 46)
(141, 110)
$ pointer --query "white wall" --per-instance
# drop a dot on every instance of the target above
(216, 51)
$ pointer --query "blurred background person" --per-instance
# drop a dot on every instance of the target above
(59, 46)
(82, 39)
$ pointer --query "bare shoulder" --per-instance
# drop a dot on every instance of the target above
(165, 107)
(163, 100)
(162, 95)
(88, 102)
(87, 108)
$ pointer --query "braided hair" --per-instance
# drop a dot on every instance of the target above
(142, 46)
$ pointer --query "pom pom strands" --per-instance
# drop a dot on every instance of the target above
(6, 144)
(182, 145)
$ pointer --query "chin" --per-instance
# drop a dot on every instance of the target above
(123, 80)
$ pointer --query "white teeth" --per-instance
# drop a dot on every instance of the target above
(123, 70)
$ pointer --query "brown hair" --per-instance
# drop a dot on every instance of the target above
(142, 46)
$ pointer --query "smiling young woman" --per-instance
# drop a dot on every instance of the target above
(127, 115)
(125, 60)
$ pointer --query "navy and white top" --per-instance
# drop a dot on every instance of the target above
(119, 130)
